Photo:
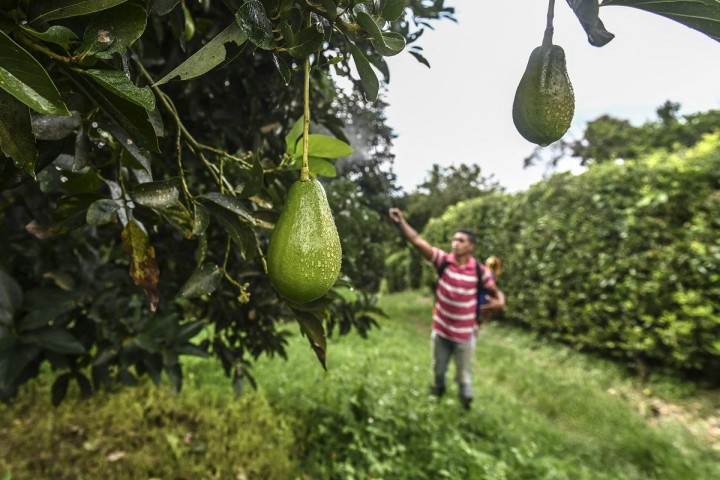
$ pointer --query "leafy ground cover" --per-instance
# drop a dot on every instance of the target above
(541, 412)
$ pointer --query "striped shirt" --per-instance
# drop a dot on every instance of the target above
(456, 297)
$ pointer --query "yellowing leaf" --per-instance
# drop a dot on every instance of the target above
(143, 267)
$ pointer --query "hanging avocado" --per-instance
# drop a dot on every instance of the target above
(304, 255)
(544, 100)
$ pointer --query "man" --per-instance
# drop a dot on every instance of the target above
(455, 313)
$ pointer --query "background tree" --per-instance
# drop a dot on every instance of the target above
(607, 139)
(446, 186)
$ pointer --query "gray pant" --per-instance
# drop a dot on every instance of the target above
(463, 353)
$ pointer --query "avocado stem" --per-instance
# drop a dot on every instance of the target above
(549, 30)
(304, 171)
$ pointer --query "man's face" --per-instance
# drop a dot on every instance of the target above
(461, 244)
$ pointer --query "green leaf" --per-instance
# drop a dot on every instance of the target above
(312, 326)
(132, 157)
(46, 10)
(392, 9)
(55, 127)
(419, 57)
(321, 167)
(370, 82)
(56, 34)
(253, 180)
(393, 43)
(306, 42)
(143, 267)
(180, 218)
(380, 64)
(188, 331)
(368, 24)
(324, 146)
(203, 281)
(331, 8)
(240, 233)
(701, 15)
(102, 212)
(69, 214)
(55, 339)
(208, 57)
(292, 137)
(84, 385)
(229, 203)
(253, 21)
(282, 68)
(59, 388)
(266, 218)
(161, 7)
(45, 305)
(113, 31)
(118, 83)
(16, 137)
(25, 79)
(587, 12)
(11, 296)
(131, 120)
(201, 220)
(162, 194)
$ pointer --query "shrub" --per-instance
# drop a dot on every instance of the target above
(157, 434)
(622, 260)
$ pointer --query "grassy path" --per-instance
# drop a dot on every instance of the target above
(541, 412)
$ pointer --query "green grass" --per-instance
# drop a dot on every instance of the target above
(541, 411)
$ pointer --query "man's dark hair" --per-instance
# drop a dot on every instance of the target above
(470, 234)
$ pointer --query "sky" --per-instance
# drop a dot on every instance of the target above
(460, 110)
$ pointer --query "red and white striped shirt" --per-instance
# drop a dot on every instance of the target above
(454, 313)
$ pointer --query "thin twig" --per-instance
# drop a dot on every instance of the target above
(304, 171)
(549, 29)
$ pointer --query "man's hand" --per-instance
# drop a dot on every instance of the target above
(396, 215)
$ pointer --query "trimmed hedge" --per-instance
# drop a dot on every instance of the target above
(622, 260)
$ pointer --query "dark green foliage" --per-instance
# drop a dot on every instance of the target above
(623, 260)
(152, 204)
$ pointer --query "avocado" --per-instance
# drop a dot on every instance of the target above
(544, 100)
(304, 254)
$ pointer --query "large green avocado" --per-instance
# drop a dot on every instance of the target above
(544, 100)
(304, 255)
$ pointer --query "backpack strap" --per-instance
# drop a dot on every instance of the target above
(481, 297)
(441, 268)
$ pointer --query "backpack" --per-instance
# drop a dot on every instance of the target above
(481, 293)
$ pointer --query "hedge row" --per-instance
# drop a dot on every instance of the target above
(623, 259)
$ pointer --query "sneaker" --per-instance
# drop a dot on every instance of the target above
(466, 401)
(437, 391)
